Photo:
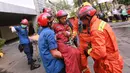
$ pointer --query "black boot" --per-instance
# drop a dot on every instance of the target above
(34, 66)
(34, 60)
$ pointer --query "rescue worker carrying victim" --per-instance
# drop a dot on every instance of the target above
(70, 54)
(74, 22)
(77, 27)
(49, 11)
(82, 44)
(47, 44)
(25, 44)
(102, 45)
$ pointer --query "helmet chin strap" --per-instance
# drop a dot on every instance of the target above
(87, 25)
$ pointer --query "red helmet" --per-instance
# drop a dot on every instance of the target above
(61, 13)
(24, 22)
(43, 19)
(87, 11)
(48, 10)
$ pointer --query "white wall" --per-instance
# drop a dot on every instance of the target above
(23, 3)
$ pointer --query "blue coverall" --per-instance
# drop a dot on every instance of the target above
(46, 43)
(39, 30)
(25, 42)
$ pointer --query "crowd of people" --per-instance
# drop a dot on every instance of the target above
(116, 14)
(65, 46)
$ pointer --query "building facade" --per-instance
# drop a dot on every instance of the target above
(12, 11)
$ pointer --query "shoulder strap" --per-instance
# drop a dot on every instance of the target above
(80, 26)
(69, 23)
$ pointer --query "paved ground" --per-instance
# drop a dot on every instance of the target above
(15, 62)
(123, 38)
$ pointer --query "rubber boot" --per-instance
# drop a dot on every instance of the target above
(34, 66)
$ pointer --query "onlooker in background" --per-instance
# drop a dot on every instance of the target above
(31, 29)
(110, 16)
(124, 14)
(116, 14)
(101, 15)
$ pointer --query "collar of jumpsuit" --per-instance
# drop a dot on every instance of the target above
(93, 20)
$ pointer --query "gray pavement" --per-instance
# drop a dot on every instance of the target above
(15, 62)
(117, 24)
(123, 38)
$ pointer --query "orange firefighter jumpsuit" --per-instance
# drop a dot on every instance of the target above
(104, 49)
(82, 44)
(74, 22)
(84, 38)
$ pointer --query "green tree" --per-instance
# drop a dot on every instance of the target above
(126, 2)
(75, 3)
(62, 5)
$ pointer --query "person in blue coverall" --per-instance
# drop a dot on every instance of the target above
(25, 43)
(51, 57)
(49, 11)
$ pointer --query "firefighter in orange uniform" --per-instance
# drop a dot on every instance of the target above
(74, 21)
(83, 39)
(80, 43)
(101, 45)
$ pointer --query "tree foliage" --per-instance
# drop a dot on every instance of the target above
(62, 5)
(75, 3)
(126, 2)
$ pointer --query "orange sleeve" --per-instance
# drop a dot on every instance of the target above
(75, 27)
(98, 45)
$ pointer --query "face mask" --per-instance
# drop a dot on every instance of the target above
(23, 26)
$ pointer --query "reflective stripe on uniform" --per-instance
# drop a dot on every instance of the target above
(74, 33)
(101, 26)
(89, 51)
